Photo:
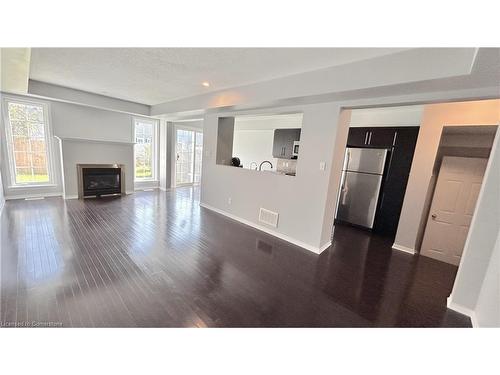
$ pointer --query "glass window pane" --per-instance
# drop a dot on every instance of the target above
(40, 175)
(38, 145)
(34, 113)
(38, 160)
(21, 144)
(16, 112)
(36, 130)
(19, 128)
(23, 175)
(22, 159)
(27, 145)
(144, 137)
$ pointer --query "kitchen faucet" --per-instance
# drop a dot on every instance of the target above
(265, 161)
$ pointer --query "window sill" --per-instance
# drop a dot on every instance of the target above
(31, 186)
(153, 180)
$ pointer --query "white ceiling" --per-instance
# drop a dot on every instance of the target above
(156, 75)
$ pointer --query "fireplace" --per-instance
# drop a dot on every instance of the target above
(95, 180)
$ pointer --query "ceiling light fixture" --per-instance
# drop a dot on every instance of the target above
(206, 84)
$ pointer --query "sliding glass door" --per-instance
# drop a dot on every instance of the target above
(188, 156)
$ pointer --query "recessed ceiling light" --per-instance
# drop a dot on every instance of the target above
(206, 84)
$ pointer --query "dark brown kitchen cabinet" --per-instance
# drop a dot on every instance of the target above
(372, 137)
(395, 180)
(283, 142)
(357, 137)
(382, 137)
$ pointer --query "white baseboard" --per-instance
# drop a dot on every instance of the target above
(36, 195)
(316, 250)
(325, 246)
(403, 248)
(463, 310)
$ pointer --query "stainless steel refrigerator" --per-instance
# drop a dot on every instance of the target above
(362, 175)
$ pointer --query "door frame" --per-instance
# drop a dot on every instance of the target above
(174, 153)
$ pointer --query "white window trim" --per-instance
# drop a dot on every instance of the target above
(7, 136)
(155, 161)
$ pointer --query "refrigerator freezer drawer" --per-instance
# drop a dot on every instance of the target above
(365, 160)
(358, 198)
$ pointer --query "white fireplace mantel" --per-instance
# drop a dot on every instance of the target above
(94, 140)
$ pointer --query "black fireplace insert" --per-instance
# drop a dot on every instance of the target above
(101, 181)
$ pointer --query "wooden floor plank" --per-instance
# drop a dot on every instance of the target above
(157, 259)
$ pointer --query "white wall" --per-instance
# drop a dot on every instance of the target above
(479, 254)
(335, 168)
(487, 311)
(75, 121)
(253, 146)
(299, 200)
(2, 198)
(387, 116)
(164, 163)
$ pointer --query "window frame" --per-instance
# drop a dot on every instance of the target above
(154, 151)
(48, 137)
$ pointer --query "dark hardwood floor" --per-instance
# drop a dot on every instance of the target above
(156, 259)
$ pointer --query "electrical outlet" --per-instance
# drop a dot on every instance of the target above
(229, 200)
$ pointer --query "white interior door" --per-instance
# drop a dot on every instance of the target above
(455, 196)
(188, 156)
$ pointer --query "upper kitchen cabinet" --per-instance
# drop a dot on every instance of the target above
(283, 142)
(357, 137)
(382, 137)
(371, 137)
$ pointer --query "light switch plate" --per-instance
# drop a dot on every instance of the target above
(322, 166)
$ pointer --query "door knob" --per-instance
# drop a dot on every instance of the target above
(434, 216)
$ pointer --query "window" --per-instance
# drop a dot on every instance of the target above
(145, 149)
(28, 143)
(188, 158)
